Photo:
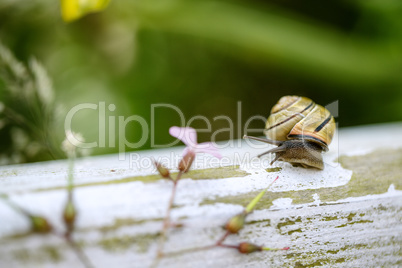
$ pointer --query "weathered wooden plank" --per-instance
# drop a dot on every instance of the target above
(330, 217)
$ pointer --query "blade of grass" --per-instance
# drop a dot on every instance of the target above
(254, 202)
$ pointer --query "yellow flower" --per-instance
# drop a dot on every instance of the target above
(75, 9)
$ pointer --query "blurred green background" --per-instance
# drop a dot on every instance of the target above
(204, 57)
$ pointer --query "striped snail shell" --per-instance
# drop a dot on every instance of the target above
(301, 129)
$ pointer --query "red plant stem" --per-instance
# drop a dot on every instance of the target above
(172, 254)
(166, 220)
(188, 250)
(167, 224)
(219, 242)
(227, 246)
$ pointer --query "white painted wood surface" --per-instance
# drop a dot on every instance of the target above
(118, 222)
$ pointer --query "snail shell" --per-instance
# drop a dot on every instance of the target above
(296, 117)
(302, 129)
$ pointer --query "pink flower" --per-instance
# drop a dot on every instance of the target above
(189, 137)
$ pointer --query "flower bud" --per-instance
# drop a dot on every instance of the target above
(69, 216)
(236, 223)
(163, 171)
(40, 224)
(186, 161)
(246, 248)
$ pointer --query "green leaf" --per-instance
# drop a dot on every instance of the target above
(274, 36)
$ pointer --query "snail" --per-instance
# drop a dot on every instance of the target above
(301, 129)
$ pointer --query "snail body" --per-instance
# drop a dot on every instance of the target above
(301, 129)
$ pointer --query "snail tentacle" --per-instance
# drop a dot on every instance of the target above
(276, 158)
(273, 150)
(269, 141)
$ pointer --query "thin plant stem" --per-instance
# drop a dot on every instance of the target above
(227, 246)
(274, 249)
(220, 241)
(71, 160)
(166, 225)
(188, 250)
(179, 175)
(166, 220)
(77, 249)
(16, 207)
(79, 252)
(68, 235)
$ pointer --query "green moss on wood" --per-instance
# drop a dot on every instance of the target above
(121, 222)
(340, 260)
(43, 254)
(294, 231)
(198, 174)
(275, 169)
(22, 235)
(265, 222)
(350, 216)
(373, 173)
(350, 223)
(140, 242)
(288, 221)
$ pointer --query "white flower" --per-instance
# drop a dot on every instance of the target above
(72, 142)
